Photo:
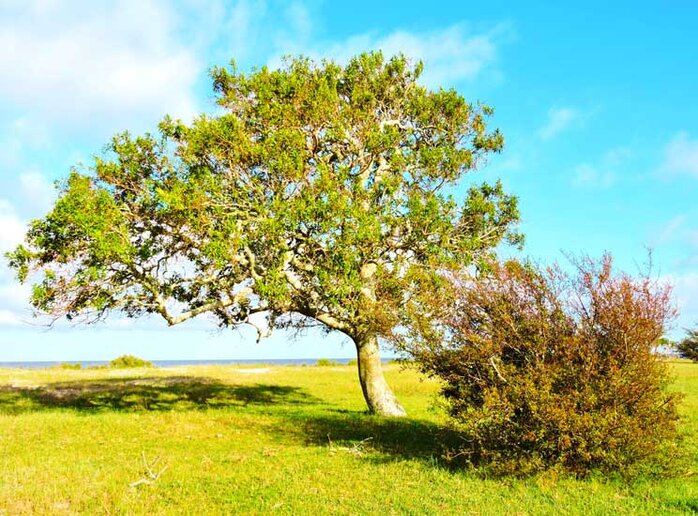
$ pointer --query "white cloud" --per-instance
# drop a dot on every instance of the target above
(669, 231)
(10, 151)
(617, 155)
(681, 230)
(559, 119)
(604, 173)
(20, 136)
(510, 164)
(686, 297)
(681, 155)
(692, 236)
(9, 318)
(88, 60)
(32, 131)
(13, 297)
(39, 192)
(233, 31)
(300, 20)
(588, 176)
(12, 228)
(450, 55)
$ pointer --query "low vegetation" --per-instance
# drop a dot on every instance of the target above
(542, 368)
(222, 440)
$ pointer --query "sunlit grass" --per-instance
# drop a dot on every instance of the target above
(221, 440)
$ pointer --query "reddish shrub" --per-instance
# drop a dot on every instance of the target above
(544, 368)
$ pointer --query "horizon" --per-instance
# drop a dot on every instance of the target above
(599, 114)
(167, 363)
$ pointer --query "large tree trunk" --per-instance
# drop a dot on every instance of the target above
(379, 398)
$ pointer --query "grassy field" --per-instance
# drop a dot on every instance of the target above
(286, 440)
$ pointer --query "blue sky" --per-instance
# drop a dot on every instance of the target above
(598, 104)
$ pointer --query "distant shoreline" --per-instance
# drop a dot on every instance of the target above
(174, 363)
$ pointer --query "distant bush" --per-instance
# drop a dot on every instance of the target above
(688, 347)
(542, 368)
(325, 362)
(67, 365)
(128, 362)
(352, 362)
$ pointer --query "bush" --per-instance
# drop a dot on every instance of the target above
(129, 362)
(67, 365)
(326, 362)
(688, 347)
(542, 368)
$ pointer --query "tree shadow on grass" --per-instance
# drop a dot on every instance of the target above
(146, 394)
(301, 417)
(363, 435)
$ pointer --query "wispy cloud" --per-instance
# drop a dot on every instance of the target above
(559, 119)
(686, 297)
(38, 189)
(604, 173)
(451, 55)
(617, 156)
(586, 175)
(668, 231)
(19, 136)
(681, 156)
(12, 228)
(250, 30)
(13, 297)
(681, 230)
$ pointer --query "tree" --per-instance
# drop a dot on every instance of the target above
(541, 367)
(318, 193)
(688, 347)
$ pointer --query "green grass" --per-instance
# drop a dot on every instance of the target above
(286, 440)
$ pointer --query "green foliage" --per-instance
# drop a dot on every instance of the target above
(326, 362)
(688, 347)
(319, 189)
(542, 368)
(129, 362)
(352, 362)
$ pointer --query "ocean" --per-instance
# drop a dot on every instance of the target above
(173, 363)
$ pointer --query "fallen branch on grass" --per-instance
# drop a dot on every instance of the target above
(356, 449)
(151, 476)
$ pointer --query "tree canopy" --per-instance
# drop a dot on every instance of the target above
(330, 192)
